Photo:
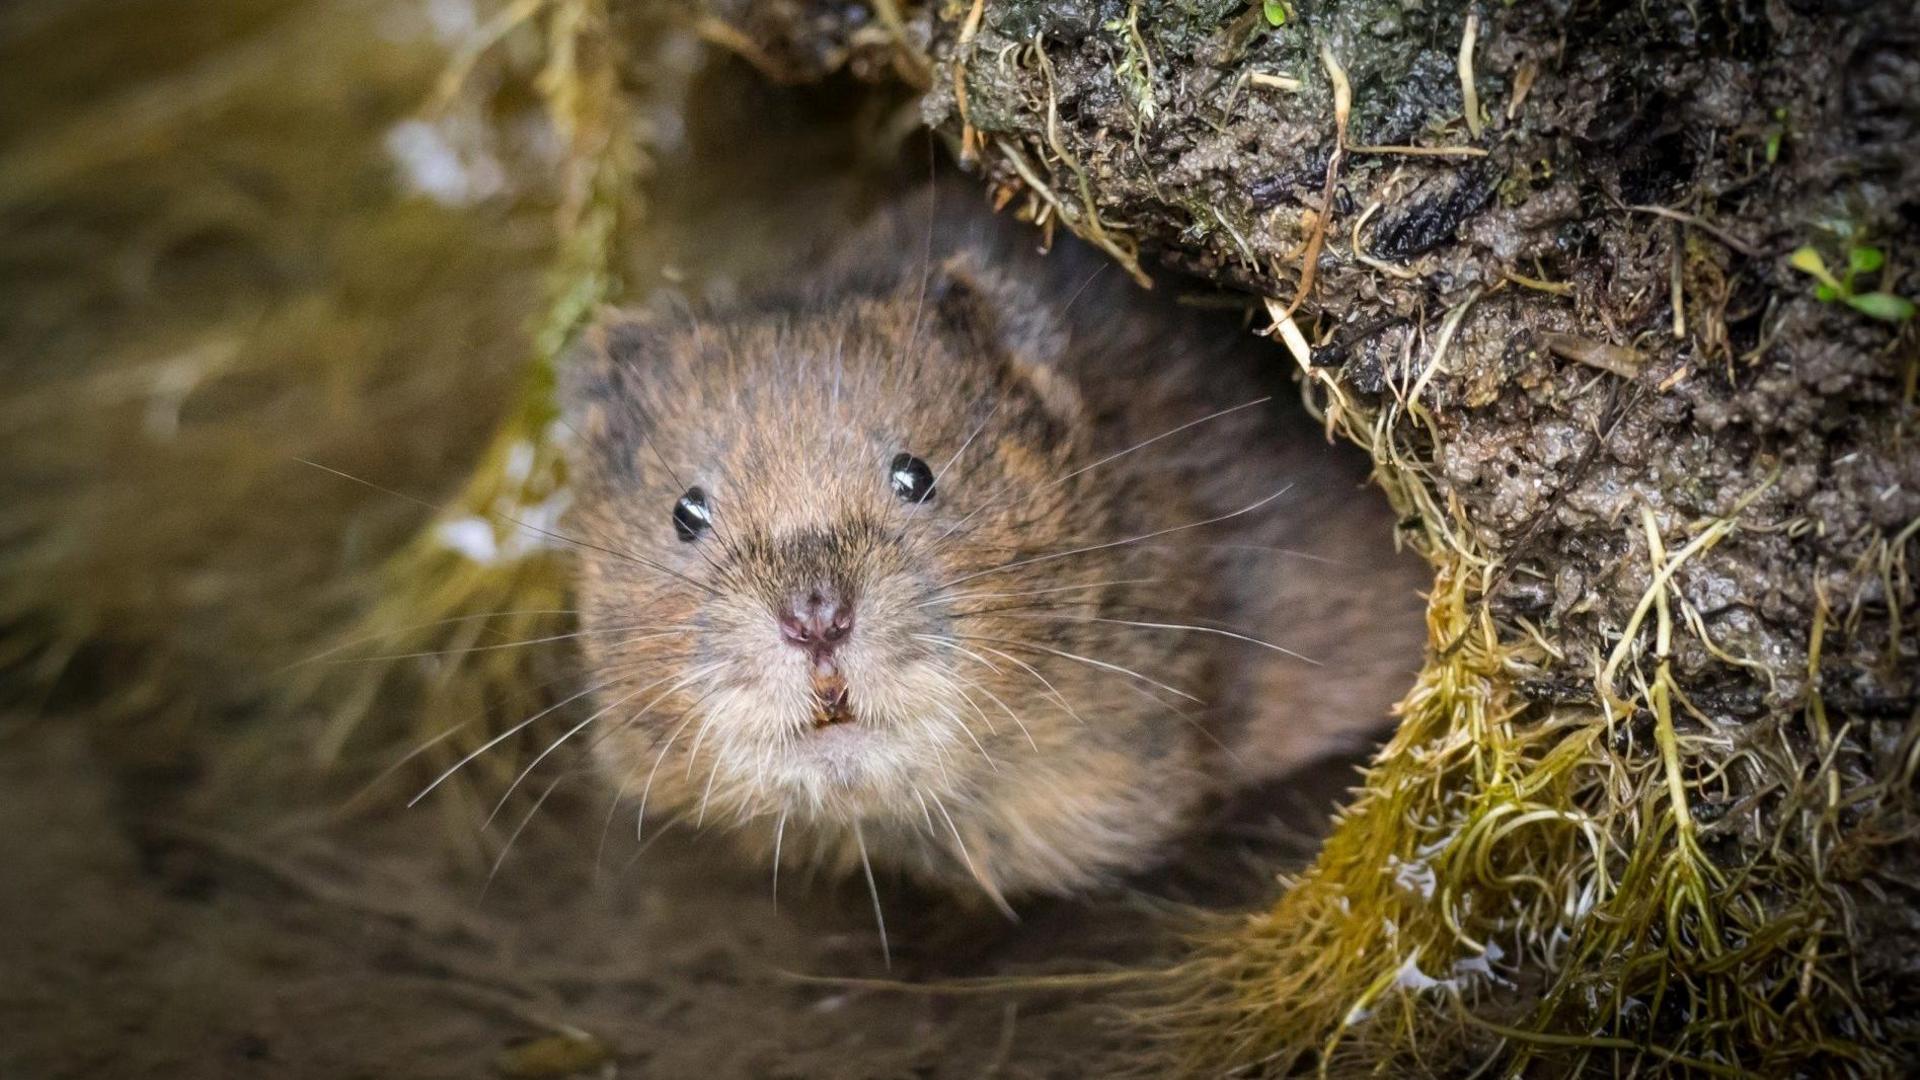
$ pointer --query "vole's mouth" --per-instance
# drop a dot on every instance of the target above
(831, 703)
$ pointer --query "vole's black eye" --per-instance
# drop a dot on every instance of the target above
(691, 516)
(911, 479)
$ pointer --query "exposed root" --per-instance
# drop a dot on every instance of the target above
(1342, 110)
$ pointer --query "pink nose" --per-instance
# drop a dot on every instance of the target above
(817, 621)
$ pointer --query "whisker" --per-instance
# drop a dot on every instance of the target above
(535, 529)
(401, 763)
(941, 472)
(951, 597)
(779, 836)
(960, 687)
(624, 671)
(873, 890)
(986, 884)
(1050, 485)
(1248, 509)
(517, 644)
(1104, 266)
(968, 732)
(970, 654)
(606, 826)
(1249, 639)
(712, 775)
(987, 613)
(620, 795)
(378, 634)
(1296, 553)
(582, 725)
(640, 816)
(927, 813)
(1170, 432)
(503, 737)
(500, 859)
(678, 486)
(1031, 670)
(693, 752)
(1063, 654)
(642, 849)
(1011, 715)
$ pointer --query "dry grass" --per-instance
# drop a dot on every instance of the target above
(490, 572)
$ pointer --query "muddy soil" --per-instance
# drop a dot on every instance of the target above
(150, 937)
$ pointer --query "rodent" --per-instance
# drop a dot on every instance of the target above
(957, 558)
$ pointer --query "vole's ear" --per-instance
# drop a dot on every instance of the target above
(597, 379)
(992, 312)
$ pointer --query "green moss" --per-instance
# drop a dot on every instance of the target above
(1535, 886)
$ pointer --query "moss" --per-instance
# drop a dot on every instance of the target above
(1536, 886)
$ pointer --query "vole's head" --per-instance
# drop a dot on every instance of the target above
(801, 523)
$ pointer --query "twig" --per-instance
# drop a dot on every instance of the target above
(1618, 359)
(1361, 256)
(963, 55)
(1557, 288)
(1421, 151)
(1275, 82)
(915, 66)
(1678, 292)
(1468, 94)
(1342, 108)
(1715, 231)
(1447, 330)
(718, 32)
(1522, 85)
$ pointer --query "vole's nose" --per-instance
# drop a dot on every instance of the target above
(817, 620)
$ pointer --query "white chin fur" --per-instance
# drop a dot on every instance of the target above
(905, 738)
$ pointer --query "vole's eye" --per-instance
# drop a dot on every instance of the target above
(691, 517)
(911, 479)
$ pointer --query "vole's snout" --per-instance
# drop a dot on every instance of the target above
(817, 620)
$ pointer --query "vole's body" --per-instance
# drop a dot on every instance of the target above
(1041, 670)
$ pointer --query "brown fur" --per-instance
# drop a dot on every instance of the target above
(981, 750)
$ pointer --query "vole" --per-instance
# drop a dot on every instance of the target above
(951, 557)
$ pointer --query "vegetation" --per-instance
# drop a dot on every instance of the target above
(1860, 260)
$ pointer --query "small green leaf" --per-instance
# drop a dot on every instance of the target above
(1882, 306)
(1773, 146)
(1275, 11)
(1826, 292)
(1865, 260)
(1808, 261)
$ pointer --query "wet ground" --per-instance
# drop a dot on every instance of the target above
(267, 940)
